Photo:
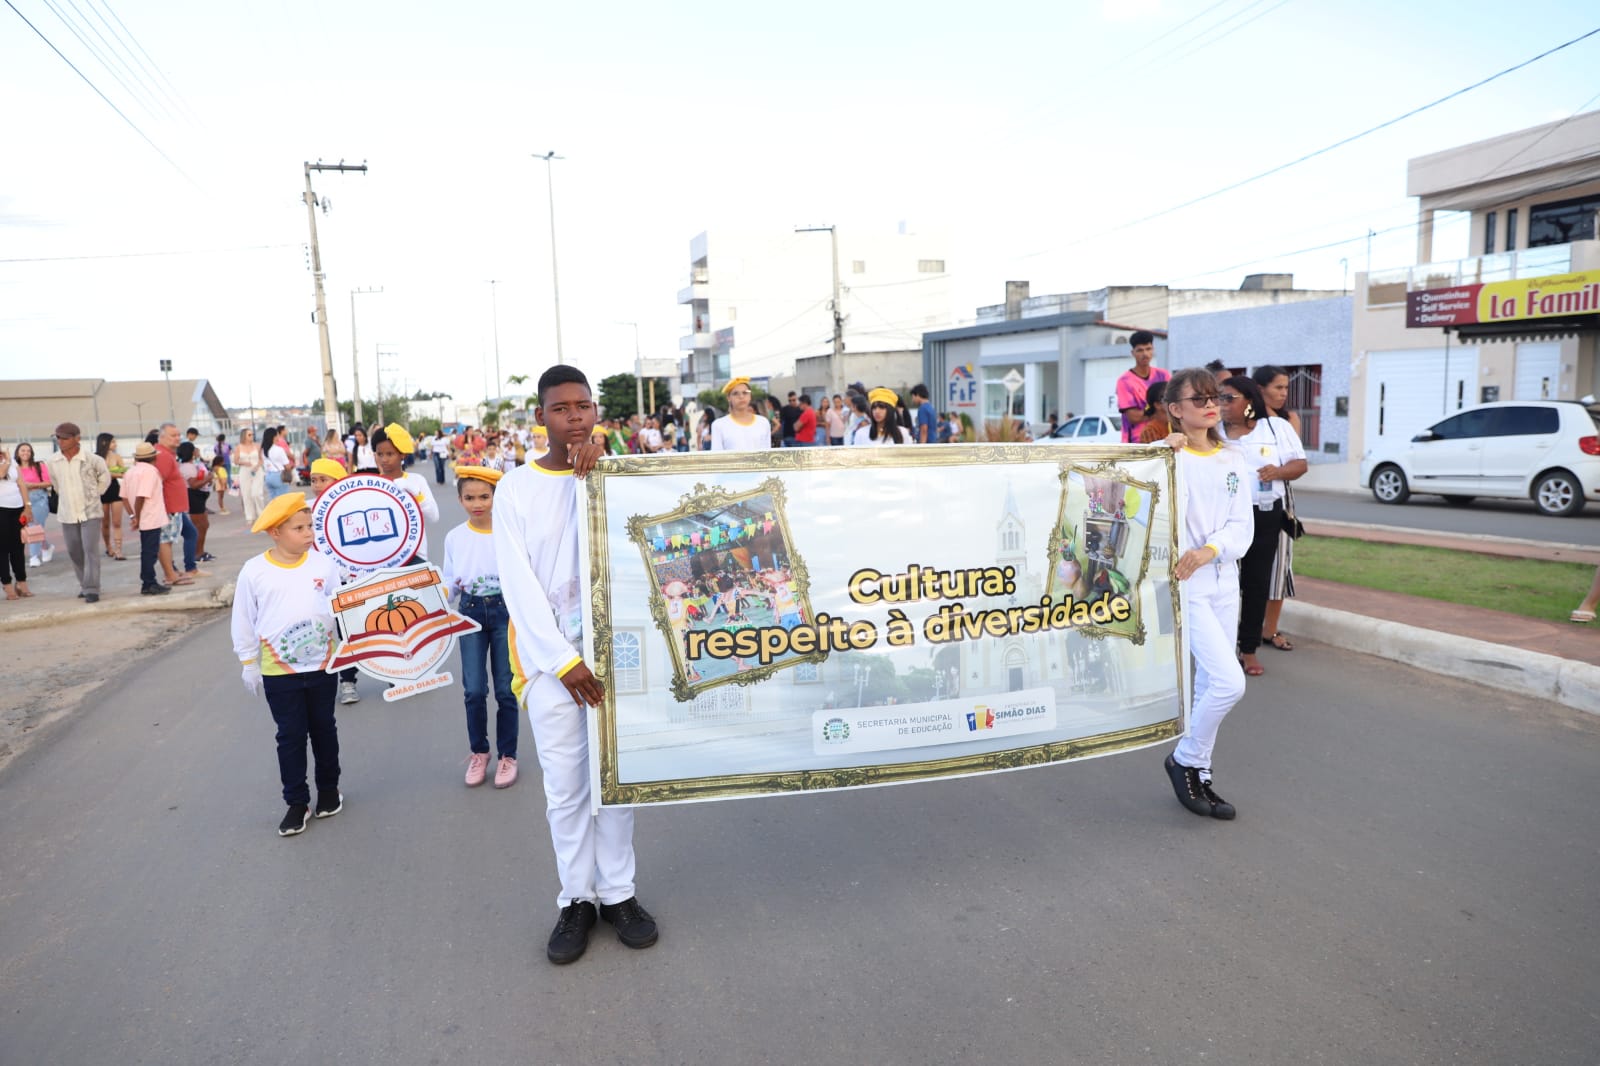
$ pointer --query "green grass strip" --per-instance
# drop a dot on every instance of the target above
(1533, 588)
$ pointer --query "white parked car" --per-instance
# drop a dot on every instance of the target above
(1086, 429)
(1544, 450)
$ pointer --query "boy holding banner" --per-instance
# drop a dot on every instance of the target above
(536, 515)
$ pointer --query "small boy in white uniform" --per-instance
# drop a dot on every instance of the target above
(536, 517)
(284, 636)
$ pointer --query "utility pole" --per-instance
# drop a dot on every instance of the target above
(836, 365)
(377, 356)
(555, 275)
(355, 353)
(494, 311)
(330, 393)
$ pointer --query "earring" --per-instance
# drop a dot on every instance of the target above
(1249, 412)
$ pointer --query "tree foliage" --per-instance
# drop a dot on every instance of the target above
(619, 399)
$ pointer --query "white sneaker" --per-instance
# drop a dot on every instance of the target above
(33, 560)
(348, 693)
(49, 553)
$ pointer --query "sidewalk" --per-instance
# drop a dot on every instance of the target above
(1551, 660)
(55, 586)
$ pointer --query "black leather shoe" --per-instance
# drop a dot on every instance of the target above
(570, 938)
(633, 923)
(1196, 794)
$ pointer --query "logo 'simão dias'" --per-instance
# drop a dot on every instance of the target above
(979, 718)
(835, 731)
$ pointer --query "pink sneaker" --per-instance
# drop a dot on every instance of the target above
(477, 768)
(505, 775)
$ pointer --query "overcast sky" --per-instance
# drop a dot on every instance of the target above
(1033, 132)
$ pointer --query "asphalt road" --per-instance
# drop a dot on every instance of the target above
(1411, 879)
(1505, 518)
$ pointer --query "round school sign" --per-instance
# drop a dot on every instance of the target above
(366, 523)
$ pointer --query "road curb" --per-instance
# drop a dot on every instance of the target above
(1527, 673)
(190, 600)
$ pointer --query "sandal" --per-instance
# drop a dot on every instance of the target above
(23, 591)
(1279, 641)
(1581, 615)
(1252, 671)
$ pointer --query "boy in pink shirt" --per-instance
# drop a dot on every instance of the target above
(141, 489)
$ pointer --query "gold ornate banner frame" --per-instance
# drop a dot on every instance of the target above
(938, 611)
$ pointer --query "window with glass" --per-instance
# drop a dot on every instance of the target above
(1488, 233)
(1511, 230)
(627, 660)
(1525, 421)
(1563, 222)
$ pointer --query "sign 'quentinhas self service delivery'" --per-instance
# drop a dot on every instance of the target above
(1559, 296)
(833, 618)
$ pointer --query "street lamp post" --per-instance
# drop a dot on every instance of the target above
(166, 372)
(555, 275)
(355, 353)
(330, 395)
(138, 410)
(638, 367)
(494, 311)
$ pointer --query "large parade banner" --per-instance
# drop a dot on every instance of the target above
(827, 618)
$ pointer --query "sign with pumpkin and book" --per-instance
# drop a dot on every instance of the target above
(398, 627)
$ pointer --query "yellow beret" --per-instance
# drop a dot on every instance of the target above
(400, 438)
(734, 384)
(482, 473)
(329, 468)
(541, 431)
(883, 395)
(279, 511)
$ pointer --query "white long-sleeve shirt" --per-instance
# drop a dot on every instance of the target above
(1215, 489)
(418, 486)
(469, 562)
(536, 549)
(727, 435)
(283, 615)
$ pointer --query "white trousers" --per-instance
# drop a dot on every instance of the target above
(251, 492)
(594, 852)
(1211, 627)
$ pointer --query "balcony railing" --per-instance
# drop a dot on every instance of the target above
(1387, 288)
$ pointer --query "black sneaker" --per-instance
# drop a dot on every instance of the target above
(329, 805)
(1220, 808)
(295, 821)
(570, 938)
(1196, 794)
(633, 923)
(154, 590)
(91, 597)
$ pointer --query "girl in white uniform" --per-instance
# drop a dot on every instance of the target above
(883, 426)
(1214, 495)
(741, 429)
(390, 445)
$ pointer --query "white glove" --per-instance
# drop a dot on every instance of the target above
(252, 678)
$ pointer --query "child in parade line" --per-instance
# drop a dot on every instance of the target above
(324, 472)
(1214, 479)
(536, 516)
(741, 429)
(141, 489)
(284, 636)
(883, 426)
(470, 572)
(390, 445)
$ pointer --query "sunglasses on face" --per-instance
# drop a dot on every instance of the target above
(1204, 401)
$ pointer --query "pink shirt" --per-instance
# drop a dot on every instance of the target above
(32, 479)
(144, 480)
(1131, 390)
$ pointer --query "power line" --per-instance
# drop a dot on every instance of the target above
(113, 52)
(1233, 31)
(1319, 152)
(95, 53)
(150, 67)
(131, 124)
